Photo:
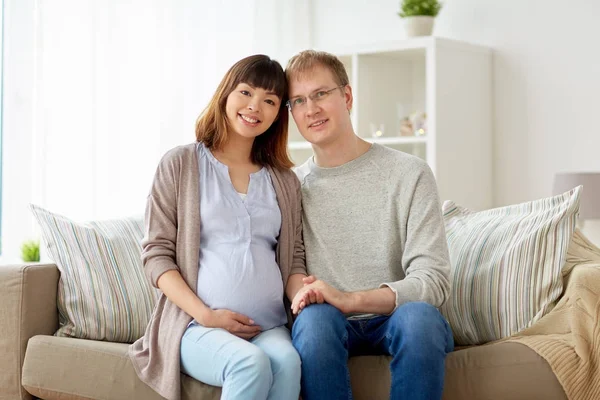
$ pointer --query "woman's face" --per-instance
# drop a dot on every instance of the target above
(251, 111)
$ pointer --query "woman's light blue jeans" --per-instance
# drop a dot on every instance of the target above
(266, 367)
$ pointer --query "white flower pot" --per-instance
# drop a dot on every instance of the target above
(418, 25)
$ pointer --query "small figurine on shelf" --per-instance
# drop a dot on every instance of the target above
(406, 128)
(414, 125)
(377, 132)
(418, 120)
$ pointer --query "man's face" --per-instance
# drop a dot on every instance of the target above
(319, 108)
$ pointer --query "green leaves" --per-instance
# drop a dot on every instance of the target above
(412, 8)
(30, 251)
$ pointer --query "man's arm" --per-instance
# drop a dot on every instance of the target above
(425, 258)
(376, 301)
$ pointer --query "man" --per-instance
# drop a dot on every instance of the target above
(375, 245)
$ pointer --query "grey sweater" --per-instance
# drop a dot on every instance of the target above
(172, 242)
(376, 221)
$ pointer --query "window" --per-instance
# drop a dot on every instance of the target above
(1, 105)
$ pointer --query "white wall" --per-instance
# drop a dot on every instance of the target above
(546, 82)
(95, 92)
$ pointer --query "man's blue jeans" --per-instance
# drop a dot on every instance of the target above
(416, 335)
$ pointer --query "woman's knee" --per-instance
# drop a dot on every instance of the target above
(252, 363)
(288, 362)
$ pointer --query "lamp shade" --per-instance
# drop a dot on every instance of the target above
(589, 207)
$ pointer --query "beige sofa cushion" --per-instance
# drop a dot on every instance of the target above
(63, 368)
(68, 368)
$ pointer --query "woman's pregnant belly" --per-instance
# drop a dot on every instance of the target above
(247, 281)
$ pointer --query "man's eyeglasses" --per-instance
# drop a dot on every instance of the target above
(299, 102)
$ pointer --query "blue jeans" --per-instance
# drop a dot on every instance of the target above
(416, 335)
(266, 367)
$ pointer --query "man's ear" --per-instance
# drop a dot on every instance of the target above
(349, 97)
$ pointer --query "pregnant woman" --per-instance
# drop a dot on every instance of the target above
(224, 244)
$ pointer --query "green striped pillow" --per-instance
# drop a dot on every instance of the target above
(506, 265)
(102, 292)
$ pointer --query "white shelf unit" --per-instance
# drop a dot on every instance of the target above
(449, 80)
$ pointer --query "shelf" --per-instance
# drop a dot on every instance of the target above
(302, 145)
(408, 45)
(449, 80)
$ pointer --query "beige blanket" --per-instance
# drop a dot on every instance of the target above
(568, 337)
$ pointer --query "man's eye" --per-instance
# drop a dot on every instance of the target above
(320, 94)
(245, 92)
(298, 101)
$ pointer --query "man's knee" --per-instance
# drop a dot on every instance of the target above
(321, 322)
(416, 321)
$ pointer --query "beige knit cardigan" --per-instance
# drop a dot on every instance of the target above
(172, 242)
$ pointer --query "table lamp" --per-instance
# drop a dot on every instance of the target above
(589, 206)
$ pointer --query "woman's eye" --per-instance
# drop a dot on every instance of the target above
(271, 102)
(245, 92)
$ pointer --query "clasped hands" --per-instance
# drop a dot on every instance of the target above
(313, 291)
(317, 291)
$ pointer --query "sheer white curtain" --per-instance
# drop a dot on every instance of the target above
(118, 83)
(97, 90)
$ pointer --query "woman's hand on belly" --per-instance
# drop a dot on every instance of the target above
(234, 323)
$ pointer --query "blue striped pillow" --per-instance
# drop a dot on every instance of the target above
(102, 292)
(506, 265)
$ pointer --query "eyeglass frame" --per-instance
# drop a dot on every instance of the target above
(290, 107)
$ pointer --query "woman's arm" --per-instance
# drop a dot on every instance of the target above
(178, 292)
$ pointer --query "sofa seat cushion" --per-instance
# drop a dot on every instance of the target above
(66, 368)
(59, 368)
(501, 370)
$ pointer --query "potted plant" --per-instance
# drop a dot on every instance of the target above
(419, 16)
(30, 251)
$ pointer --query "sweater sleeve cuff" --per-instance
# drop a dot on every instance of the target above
(395, 294)
(405, 290)
(157, 270)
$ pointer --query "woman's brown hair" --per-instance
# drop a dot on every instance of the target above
(212, 126)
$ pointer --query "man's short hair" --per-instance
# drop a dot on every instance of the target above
(306, 60)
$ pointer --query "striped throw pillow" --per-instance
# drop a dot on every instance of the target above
(102, 292)
(506, 265)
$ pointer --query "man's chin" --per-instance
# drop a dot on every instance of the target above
(317, 140)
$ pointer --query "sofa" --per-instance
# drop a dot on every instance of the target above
(524, 304)
(36, 363)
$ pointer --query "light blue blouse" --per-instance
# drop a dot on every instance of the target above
(237, 268)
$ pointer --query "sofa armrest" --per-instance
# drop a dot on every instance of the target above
(27, 308)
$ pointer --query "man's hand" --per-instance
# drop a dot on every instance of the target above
(234, 323)
(304, 297)
(315, 289)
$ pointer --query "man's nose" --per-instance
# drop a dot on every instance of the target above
(312, 107)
